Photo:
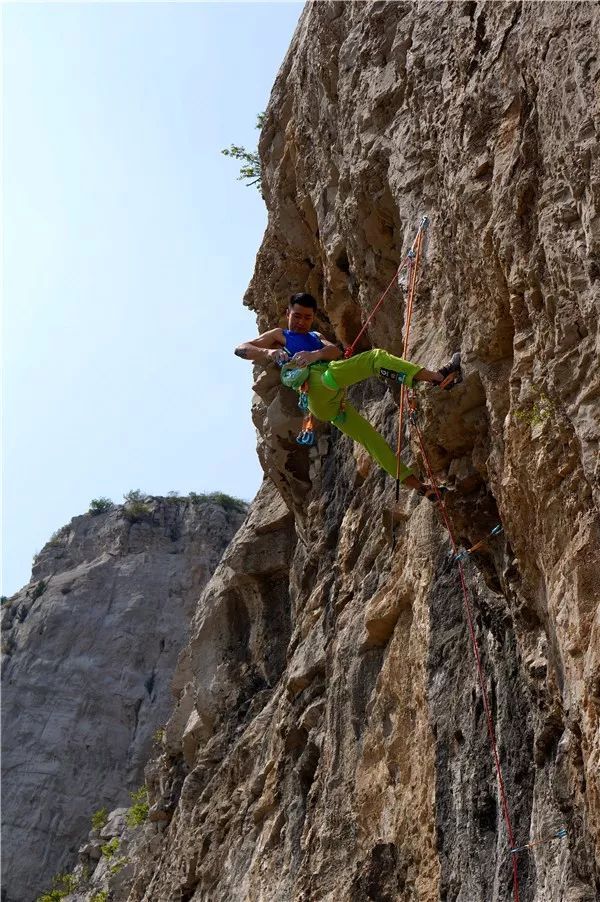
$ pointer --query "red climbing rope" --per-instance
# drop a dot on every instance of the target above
(413, 260)
(480, 670)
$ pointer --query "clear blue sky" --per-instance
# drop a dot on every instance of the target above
(128, 244)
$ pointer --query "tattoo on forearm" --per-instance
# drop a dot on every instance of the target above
(241, 352)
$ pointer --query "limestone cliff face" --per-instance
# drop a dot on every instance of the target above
(329, 739)
(89, 650)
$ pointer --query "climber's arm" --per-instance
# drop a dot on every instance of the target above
(267, 348)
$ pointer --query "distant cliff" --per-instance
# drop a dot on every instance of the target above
(89, 650)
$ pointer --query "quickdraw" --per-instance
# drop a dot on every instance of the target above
(306, 436)
(560, 833)
(464, 554)
(303, 397)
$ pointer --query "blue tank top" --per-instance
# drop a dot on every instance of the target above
(301, 341)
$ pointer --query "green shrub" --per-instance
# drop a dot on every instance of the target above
(138, 812)
(228, 502)
(176, 496)
(3, 599)
(119, 865)
(250, 170)
(159, 736)
(135, 495)
(99, 818)
(100, 506)
(136, 506)
(63, 885)
(102, 896)
(109, 848)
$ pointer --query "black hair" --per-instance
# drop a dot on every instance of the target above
(305, 300)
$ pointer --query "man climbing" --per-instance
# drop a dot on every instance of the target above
(328, 377)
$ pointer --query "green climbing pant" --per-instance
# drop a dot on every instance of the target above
(326, 386)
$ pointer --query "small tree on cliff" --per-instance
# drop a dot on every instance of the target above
(250, 171)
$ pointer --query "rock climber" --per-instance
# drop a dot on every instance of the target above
(328, 377)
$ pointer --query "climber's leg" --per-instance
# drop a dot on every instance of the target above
(323, 403)
(350, 422)
(342, 373)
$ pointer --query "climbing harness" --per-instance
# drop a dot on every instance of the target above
(560, 833)
(464, 554)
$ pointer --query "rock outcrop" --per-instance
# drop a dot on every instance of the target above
(329, 739)
(362, 770)
(90, 647)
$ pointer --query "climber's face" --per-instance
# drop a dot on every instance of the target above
(300, 319)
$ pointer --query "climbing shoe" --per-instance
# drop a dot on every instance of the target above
(452, 373)
(432, 494)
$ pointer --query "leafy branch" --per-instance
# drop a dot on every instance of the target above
(250, 170)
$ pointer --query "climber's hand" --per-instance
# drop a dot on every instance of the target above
(305, 358)
(277, 355)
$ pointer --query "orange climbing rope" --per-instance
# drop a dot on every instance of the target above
(418, 237)
(414, 258)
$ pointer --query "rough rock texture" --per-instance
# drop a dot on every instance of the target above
(329, 740)
(360, 768)
(90, 646)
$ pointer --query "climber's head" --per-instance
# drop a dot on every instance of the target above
(301, 312)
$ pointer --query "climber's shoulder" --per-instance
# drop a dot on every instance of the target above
(273, 338)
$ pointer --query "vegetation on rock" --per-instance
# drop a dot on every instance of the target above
(109, 848)
(226, 501)
(100, 506)
(250, 170)
(62, 885)
(99, 819)
(136, 506)
(138, 812)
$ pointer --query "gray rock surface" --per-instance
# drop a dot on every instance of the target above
(89, 650)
